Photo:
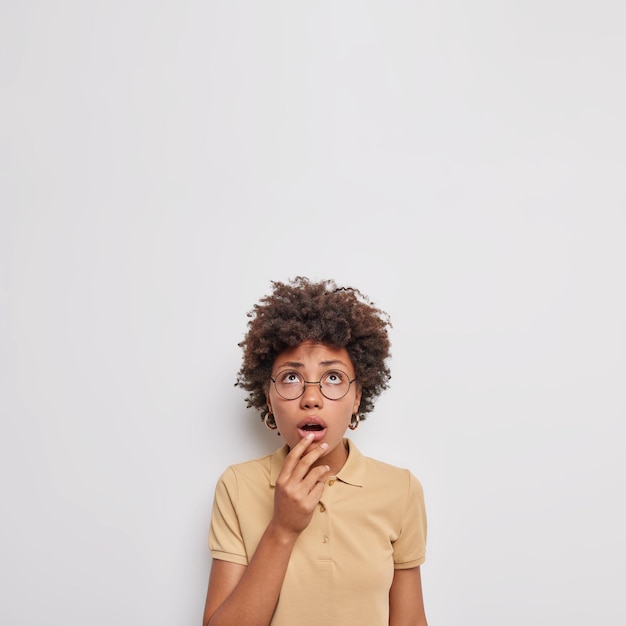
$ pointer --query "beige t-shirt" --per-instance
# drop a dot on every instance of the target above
(370, 520)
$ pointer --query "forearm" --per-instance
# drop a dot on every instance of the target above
(406, 602)
(419, 620)
(253, 600)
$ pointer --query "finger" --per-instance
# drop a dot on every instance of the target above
(307, 461)
(295, 454)
(317, 476)
(317, 491)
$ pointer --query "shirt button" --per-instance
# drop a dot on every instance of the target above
(325, 539)
(331, 482)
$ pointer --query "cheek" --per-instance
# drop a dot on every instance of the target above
(283, 412)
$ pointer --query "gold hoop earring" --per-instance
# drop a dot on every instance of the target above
(270, 422)
(354, 421)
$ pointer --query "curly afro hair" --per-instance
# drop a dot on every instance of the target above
(301, 310)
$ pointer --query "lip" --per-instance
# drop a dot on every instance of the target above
(318, 435)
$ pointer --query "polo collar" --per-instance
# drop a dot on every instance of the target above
(352, 472)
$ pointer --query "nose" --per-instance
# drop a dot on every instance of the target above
(312, 395)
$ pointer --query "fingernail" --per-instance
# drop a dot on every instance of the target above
(323, 446)
(310, 436)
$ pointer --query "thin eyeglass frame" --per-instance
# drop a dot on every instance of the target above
(313, 382)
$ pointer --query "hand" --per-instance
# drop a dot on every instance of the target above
(299, 488)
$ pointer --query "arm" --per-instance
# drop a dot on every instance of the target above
(247, 595)
(406, 603)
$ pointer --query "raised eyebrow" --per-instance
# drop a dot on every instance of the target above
(298, 365)
(333, 363)
(291, 364)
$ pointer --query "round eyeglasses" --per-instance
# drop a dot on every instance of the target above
(290, 384)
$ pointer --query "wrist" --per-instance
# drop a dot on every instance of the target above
(281, 535)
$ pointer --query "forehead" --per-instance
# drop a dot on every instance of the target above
(310, 354)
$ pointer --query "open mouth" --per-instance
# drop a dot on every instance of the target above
(312, 427)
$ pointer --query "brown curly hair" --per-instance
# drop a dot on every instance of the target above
(301, 310)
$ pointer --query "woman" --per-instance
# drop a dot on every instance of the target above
(316, 533)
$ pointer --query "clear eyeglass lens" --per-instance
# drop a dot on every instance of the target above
(334, 384)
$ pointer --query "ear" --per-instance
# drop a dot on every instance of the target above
(267, 400)
(357, 400)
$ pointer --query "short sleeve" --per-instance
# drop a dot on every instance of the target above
(409, 549)
(225, 540)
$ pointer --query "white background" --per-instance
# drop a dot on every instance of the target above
(460, 162)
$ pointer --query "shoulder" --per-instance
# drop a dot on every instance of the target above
(259, 471)
(247, 470)
(383, 475)
(380, 471)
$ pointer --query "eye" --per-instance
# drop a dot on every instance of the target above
(290, 378)
(334, 377)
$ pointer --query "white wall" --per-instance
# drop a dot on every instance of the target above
(460, 162)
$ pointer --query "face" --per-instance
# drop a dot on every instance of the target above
(312, 412)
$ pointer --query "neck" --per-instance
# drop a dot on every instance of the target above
(336, 458)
